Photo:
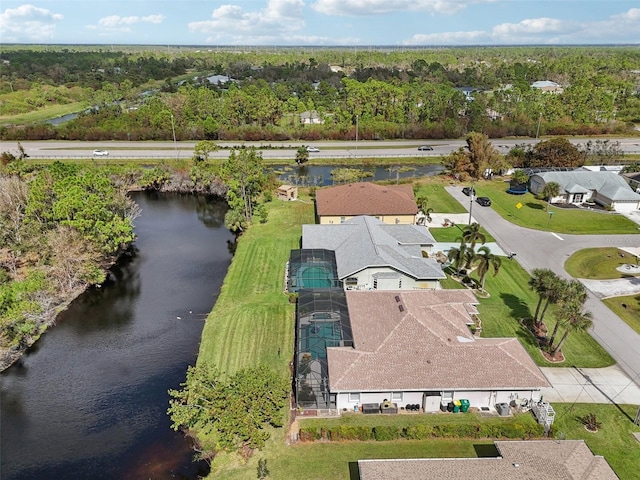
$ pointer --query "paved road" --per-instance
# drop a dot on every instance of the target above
(537, 249)
(278, 150)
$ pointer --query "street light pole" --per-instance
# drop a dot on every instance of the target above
(538, 129)
(357, 135)
(173, 129)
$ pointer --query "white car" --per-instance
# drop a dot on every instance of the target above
(313, 149)
(100, 153)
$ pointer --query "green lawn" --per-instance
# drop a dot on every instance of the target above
(613, 441)
(511, 299)
(598, 263)
(453, 234)
(252, 317)
(439, 199)
(533, 213)
(630, 313)
(333, 460)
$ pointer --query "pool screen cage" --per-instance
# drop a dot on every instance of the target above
(312, 268)
(322, 321)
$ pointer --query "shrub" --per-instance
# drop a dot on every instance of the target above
(350, 432)
(386, 432)
(309, 434)
(418, 432)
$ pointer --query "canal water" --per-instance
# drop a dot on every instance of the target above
(320, 175)
(89, 400)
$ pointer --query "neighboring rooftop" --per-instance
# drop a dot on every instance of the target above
(366, 199)
(364, 241)
(609, 184)
(425, 333)
(519, 460)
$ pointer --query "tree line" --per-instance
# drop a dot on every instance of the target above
(405, 95)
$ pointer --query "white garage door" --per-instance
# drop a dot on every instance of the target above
(625, 207)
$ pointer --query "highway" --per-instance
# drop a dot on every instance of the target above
(270, 150)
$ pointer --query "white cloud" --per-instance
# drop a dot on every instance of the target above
(621, 28)
(379, 7)
(449, 38)
(275, 23)
(27, 23)
(116, 21)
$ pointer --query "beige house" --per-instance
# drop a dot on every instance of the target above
(517, 460)
(391, 204)
(415, 347)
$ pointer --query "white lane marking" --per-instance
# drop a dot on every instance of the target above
(557, 236)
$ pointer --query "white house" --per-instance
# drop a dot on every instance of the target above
(579, 186)
(372, 255)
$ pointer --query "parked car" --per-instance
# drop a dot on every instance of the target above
(468, 191)
(425, 147)
(313, 149)
(100, 153)
(484, 201)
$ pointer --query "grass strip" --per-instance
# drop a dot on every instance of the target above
(598, 263)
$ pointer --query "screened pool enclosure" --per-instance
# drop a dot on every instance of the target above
(322, 321)
(312, 268)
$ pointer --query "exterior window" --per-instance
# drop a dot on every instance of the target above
(396, 396)
(342, 219)
(354, 398)
(375, 283)
(351, 281)
(577, 197)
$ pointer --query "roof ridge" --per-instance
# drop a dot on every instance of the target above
(507, 341)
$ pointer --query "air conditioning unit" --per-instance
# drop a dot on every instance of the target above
(503, 409)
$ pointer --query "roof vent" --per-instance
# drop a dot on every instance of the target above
(397, 298)
(401, 308)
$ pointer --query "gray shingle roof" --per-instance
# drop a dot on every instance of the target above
(413, 348)
(608, 184)
(364, 241)
(520, 460)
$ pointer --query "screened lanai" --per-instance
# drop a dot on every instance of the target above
(312, 268)
(322, 321)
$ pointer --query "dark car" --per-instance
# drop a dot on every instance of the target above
(425, 147)
(468, 191)
(484, 201)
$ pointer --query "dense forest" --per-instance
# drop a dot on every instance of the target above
(264, 95)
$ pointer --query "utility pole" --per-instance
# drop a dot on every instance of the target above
(471, 195)
(538, 129)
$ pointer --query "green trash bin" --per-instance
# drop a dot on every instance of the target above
(456, 406)
(464, 405)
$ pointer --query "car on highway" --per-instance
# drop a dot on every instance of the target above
(484, 201)
(100, 153)
(425, 147)
(313, 149)
(468, 191)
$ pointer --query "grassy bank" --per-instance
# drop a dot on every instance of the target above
(253, 319)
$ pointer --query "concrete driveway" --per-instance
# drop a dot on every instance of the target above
(590, 385)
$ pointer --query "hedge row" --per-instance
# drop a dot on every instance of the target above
(423, 431)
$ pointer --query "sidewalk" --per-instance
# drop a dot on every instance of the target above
(590, 385)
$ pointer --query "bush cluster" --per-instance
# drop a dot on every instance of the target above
(380, 433)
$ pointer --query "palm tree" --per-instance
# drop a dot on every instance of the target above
(540, 282)
(575, 321)
(485, 260)
(471, 234)
(458, 256)
(574, 295)
(550, 190)
(555, 292)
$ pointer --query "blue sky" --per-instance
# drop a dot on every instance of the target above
(320, 22)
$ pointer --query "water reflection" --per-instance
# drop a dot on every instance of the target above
(90, 400)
